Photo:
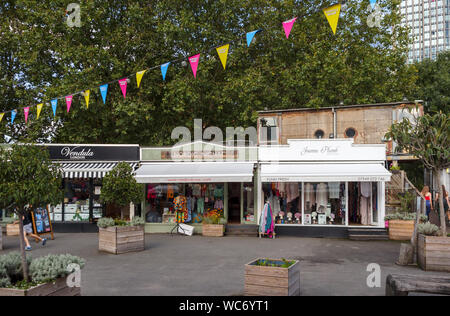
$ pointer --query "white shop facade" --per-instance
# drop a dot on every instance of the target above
(323, 183)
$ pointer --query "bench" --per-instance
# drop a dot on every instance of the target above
(402, 285)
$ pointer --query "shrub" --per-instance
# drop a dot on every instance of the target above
(11, 268)
(105, 222)
(137, 221)
(52, 267)
(428, 229)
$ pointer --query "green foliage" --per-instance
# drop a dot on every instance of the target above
(105, 222)
(428, 229)
(43, 58)
(404, 217)
(271, 263)
(433, 84)
(52, 267)
(120, 186)
(137, 221)
(406, 202)
(28, 177)
(11, 270)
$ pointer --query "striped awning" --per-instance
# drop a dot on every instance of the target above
(78, 170)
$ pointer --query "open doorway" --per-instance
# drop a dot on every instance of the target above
(234, 203)
(363, 203)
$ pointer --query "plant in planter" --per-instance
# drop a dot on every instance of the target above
(401, 225)
(47, 275)
(272, 277)
(29, 178)
(433, 249)
(119, 236)
(213, 224)
(12, 226)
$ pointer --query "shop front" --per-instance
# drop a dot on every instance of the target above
(84, 167)
(323, 183)
(212, 178)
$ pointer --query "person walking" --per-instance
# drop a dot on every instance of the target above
(445, 201)
(428, 200)
(28, 231)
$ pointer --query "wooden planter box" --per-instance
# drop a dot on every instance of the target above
(12, 229)
(401, 230)
(212, 230)
(58, 288)
(121, 239)
(272, 281)
(434, 253)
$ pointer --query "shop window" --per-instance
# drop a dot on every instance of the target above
(249, 205)
(350, 132)
(76, 202)
(319, 134)
(285, 200)
(324, 203)
(201, 199)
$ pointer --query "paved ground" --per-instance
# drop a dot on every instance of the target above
(199, 266)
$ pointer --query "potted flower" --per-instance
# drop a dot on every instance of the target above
(213, 224)
(119, 236)
(433, 252)
(48, 275)
(401, 225)
(272, 277)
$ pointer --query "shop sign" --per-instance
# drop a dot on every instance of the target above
(325, 150)
(93, 153)
(199, 155)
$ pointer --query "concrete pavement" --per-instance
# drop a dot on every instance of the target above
(202, 266)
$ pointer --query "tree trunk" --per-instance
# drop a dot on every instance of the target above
(26, 276)
(441, 204)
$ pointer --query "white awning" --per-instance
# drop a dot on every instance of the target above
(202, 172)
(77, 170)
(370, 172)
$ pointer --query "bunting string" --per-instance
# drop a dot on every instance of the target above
(332, 15)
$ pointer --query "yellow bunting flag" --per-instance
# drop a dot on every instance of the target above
(223, 54)
(332, 14)
(39, 109)
(139, 77)
(1, 116)
(87, 94)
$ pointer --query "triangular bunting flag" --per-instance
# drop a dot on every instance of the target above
(164, 70)
(26, 111)
(194, 64)
(372, 3)
(87, 95)
(39, 109)
(223, 54)
(332, 14)
(1, 116)
(250, 36)
(54, 105)
(287, 25)
(69, 102)
(104, 92)
(123, 86)
(139, 77)
(13, 116)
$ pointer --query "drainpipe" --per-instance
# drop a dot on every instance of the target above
(334, 123)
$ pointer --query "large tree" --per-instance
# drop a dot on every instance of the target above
(433, 84)
(42, 57)
(28, 180)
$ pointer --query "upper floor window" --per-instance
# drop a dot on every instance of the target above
(350, 132)
(319, 134)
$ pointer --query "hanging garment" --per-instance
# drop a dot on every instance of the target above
(200, 206)
(180, 206)
(310, 196)
(292, 191)
(334, 189)
(365, 188)
(282, 188)
(275, 204)
(262, 220)
(170, 192)
(196, 190)
(151, 192)
(269, 221)
(218, 204)
(218, 192)
(322, 194)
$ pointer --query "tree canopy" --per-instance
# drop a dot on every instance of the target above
(41, 58)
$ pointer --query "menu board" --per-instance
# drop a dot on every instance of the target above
(42, 224)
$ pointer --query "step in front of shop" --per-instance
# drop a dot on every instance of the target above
(311, 231)
(241, 230)
(368, 234)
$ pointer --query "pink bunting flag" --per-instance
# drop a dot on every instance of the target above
(69, 102)
(123, 86)
(26, 111)
(194, 64)
(287, 25)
